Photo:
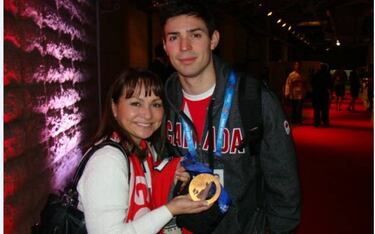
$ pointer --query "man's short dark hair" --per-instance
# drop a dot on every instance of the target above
(188, 7)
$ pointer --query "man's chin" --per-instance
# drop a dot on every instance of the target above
(188, 74)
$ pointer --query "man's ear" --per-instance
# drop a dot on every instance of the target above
(164, 47)
(215, 39)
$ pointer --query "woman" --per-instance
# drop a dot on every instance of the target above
(110, 201)
(339, 78)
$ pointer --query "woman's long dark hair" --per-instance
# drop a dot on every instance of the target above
(129, 82)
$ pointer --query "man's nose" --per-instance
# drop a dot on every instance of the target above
(185, 44)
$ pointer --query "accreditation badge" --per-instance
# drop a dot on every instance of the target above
(171, 227)
(220, 173)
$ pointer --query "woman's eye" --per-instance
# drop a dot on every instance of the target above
(135, 104)
(157, 105)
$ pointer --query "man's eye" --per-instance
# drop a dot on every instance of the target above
(172, 38)
(197, 35)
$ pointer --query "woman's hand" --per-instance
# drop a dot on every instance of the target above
(185, 205)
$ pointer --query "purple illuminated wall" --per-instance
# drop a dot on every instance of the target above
(50, 100)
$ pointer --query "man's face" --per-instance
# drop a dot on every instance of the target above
(188, 45)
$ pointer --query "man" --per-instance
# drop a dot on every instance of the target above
(321, 84)
(339, 79)
(355, 85)
(295, 89)
(196, 95)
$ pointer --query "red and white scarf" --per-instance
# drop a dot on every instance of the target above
(140, 185)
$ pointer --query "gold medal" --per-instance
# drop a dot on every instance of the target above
(203, 182)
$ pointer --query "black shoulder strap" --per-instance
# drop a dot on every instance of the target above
(250, 104)
(88, 155)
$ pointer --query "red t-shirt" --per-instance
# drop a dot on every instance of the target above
(195, 106)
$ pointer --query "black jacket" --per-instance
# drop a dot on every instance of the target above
(278, 159)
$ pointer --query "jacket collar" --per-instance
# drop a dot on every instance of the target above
(222, 71)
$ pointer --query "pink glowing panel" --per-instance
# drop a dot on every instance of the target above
(73, 10)
(12, 39)
(65, 98)
(11, 75)
(48, 42)
(57, 50)
(62, 50)
(60, 112)
(50, 19)
(10, 6)
(60, 124)
(65, 170)
(63, 144)
(56, 23)
(59, 74)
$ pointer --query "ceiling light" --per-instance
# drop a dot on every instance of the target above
(269, 13)
(311, 23)
(338, 43)
(289, 28)
(279, 21)
(284, 24)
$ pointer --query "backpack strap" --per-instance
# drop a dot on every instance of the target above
(250, 105)
(90, 152)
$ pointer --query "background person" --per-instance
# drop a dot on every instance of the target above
(339, 78)
(295, 90)
(321, 94)
(355, 85)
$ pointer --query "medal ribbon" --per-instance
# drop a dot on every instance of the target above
(190, 162)
(229, 92)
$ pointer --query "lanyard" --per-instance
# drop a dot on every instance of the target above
(190, 159)
(228, 97)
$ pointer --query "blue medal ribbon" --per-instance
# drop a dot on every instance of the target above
(190, 141)
(228, 97)
(190, 162)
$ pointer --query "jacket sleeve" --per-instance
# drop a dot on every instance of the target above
(279, 168)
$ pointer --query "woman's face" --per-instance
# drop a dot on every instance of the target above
(139, 115)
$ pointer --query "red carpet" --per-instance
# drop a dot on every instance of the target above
(336, 171)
